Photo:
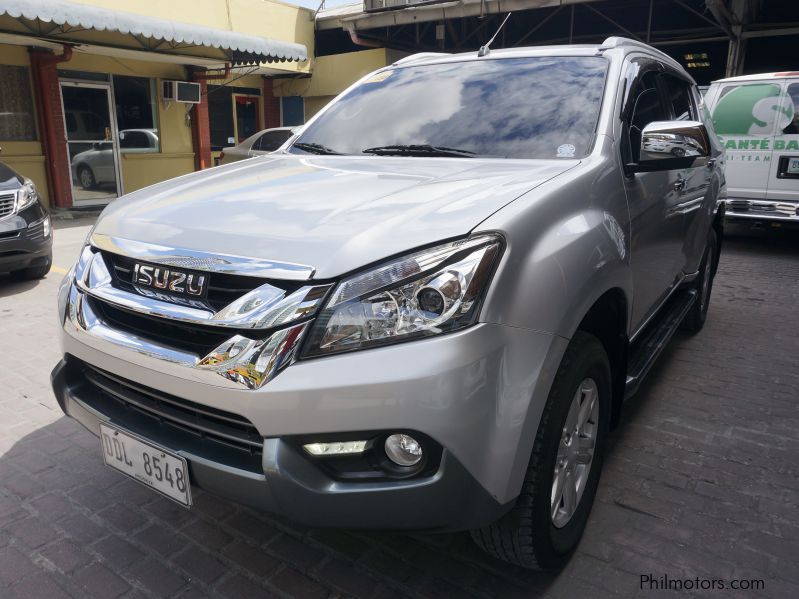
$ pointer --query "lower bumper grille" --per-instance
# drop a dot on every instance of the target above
(207, 423)
(36, 232)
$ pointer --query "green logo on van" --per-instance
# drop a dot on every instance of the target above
(752, 110)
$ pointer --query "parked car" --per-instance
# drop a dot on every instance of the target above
(95, 167)
(263, 142)
(757, 119)
(424, 313)
(26, 239)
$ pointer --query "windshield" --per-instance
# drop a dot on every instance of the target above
(543, 107)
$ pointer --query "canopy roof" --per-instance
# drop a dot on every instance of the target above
(68, 18)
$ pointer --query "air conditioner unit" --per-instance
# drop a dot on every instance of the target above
(180, 91)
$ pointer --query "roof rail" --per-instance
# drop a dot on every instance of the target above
(616, 41)
(420, 56)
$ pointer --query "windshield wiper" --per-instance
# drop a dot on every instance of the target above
(419, 150)
(314, 148)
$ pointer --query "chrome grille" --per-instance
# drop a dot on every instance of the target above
(8, 202)
(223, 289)
(197, 339)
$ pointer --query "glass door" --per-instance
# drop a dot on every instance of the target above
(91, 142)
(246, 115)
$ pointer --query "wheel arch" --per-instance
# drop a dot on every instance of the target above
(606, 319)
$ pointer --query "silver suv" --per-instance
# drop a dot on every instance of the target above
(425, 312)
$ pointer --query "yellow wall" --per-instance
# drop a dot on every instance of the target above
(333, 74)
(141, 170)
(314, 104)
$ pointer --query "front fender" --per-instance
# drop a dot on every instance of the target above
(565, 249)
(568, 243)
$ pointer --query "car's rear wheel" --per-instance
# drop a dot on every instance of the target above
(695, 319)
(543, 528)
(86, 177)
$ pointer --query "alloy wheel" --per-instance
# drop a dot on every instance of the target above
(575, 453)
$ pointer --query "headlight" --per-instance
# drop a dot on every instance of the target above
(433, 291)
(27, 195)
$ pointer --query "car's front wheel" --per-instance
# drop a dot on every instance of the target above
(543, 528)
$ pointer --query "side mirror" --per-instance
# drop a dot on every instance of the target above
(668, 145)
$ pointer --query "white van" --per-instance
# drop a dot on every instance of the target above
(757, 119)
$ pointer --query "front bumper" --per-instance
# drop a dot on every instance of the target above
(746, 211)
(289, 484)
(22, 239)
(478, 393)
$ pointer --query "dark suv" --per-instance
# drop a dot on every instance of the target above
(26, 240)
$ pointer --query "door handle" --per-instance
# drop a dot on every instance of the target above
(711, 163)
(679, 184)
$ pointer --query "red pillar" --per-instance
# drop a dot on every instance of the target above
(51, 123)
(201, 129)
(271, 106)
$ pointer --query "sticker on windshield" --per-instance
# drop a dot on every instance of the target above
(379, 77)
(566, 151)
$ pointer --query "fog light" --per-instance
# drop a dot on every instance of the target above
(46, 227)
(337, 448)
(403, 450)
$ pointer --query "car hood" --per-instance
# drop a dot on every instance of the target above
(333, 213)
(10, 180)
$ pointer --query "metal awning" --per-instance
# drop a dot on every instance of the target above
(169, 36)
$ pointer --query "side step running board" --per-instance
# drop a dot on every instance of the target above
(646, 349)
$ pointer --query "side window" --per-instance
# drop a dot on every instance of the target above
(647, 107)
(792, 128)
(256, 145)
(271, 141)
(133, 140)
(136, 108)
(679, 97)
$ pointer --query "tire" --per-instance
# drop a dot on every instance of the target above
(695, 319)
(527, 535)
(38, 271)
(86, 177)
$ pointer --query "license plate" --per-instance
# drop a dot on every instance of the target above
(151, 465)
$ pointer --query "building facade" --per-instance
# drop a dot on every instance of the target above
(93, 96)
